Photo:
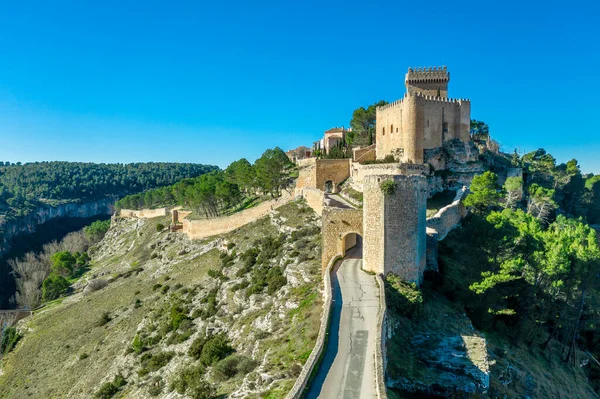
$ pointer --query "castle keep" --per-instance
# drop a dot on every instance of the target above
(424, 119)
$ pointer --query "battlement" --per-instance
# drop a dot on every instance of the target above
(426, 97)
(427, 74)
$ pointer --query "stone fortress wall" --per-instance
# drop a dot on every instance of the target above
(202, 228)
(143, 213)
(394, 226)
(315, 173)
(448, 217)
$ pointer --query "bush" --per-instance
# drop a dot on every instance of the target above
(83, 356)
(10, 337)
(233, 365)
(402, 298)
(155, 362)
(191, 382)
(53, 287)
(160, 227)
(156, 386)
(97, 230)
(275, 280)
(109, 389)
(178, 315)
(216, 348)
(138, 344)
(388, 187)
(104, 319)
(94, 285)
(196, 348)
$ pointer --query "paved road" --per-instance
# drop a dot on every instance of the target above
(337, 201)
(348, 368)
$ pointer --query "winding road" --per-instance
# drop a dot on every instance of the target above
(348, 367)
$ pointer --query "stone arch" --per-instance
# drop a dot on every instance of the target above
(338, 225)
(329, 187)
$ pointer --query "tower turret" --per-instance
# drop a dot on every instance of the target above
(432, 81)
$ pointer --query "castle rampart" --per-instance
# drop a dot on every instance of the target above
(394, 226)
(143, 213)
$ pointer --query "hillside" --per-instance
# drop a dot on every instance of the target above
(159, 314)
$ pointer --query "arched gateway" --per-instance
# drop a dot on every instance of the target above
(392, 224)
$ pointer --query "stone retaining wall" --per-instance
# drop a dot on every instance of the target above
(143, 214)
(314, 198)
(358, 172)
(380, 355)
(315, 356)
(210, 227)
(448, 217)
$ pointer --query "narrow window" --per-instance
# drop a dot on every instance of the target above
(391, 128)
(396, 130)
(383, 131)
(445, 127)
(427, 122)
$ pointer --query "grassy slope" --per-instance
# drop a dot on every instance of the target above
(46, 363)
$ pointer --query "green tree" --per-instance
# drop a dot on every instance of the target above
(272, 171)
(53, 287)
(484, 192)
(242, 173)
(363, 125)
(63, 263)
(514, 190)
(96, 231)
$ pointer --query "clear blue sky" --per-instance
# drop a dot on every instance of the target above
(210, 82)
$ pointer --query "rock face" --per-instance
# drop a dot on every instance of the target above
(29, 223)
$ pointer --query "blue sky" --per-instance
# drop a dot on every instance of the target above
(212, 82)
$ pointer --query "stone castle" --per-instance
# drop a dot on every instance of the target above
(392, 222)
(424, 119)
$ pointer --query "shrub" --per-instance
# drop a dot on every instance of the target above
(10, 337)
(232, 365)
(96, 231)
(216, 348)
(160, 227)
(137, 303)
(53, 287)
(156, 386)
(104, 319)
(156, 286)
(388, 187)
(109, 389)
(165, 289)
(196, 348)
(191, 382)
(95, 285)
(403, 298)
(275, 280)
(83, 356)
(138, 344)
(178, 315)
(155, 362)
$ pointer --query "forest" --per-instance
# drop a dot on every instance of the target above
(25, 186)
(526, 262)
(219, 191)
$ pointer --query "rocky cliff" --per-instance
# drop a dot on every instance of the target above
(28, 224)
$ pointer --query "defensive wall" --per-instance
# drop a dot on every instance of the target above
(449, 216)
(315, 358)
(364, 154)
(337, 225)
(358, 172)
(432, 81)
(395, 226)
(417, 122)
(315, 173)
(439, 225)
(143, 213)
(203, 228)
(315, 198)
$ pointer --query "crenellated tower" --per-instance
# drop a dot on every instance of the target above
(432, 81)
(424, 119)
